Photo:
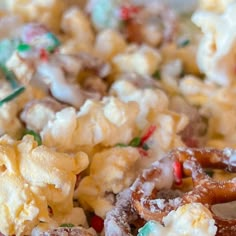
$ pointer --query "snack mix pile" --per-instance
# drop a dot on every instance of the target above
(94, 95)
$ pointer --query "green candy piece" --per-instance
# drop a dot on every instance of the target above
(23, 47)
(104, 14)
(7, 47)
(149, 229)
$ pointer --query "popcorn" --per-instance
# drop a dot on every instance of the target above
(166, 137)
(9, 121)
(77, 25)
(30, 192)
(26, 208)
(47, 12)
(214, 101)
(196, 91)
(150, 100)
(216, 49)
(121, 163)
(71, 45)
(214, 5)
(153, 110)
(221, 126)
(22, 69)
(105, 122)
(143, 60)
(198, 218)
(109, 43)
(76, 217)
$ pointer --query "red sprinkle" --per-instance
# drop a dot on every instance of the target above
(43, 54)
(127, 12)
(142, 152)
(178, 174)
(97, 223)
(148, 134)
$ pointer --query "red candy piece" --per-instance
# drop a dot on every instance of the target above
(178, 174)
(97, 223)
(43, 55)
(127, 12)
(148, 134)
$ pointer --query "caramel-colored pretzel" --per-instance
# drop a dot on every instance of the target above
(205, 190)
(118, 221)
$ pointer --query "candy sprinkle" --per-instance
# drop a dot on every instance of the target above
(97, 223)
(43, 55)
(135, 142)
(148, 134)
(177, 172)
(127, 12)
(143, 152)
(23, 47)
(36, 136)
(15, 93)
(68, 225)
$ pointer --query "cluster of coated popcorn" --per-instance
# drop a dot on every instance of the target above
(198, 218)
(31, 193)
(216, 50)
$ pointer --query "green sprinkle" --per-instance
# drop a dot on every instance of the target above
(184, 43)
(121, 145)
(36, 136)
(23, 47)
(145, 147)
(135, 142)
(9, 76)
(13, 95)
(157, 75)
(69, 225)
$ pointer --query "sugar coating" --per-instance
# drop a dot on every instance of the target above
(188, 220)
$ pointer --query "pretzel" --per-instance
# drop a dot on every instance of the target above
(205, 190)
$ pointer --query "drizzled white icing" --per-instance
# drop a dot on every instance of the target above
(232, 155)
(164, 180)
